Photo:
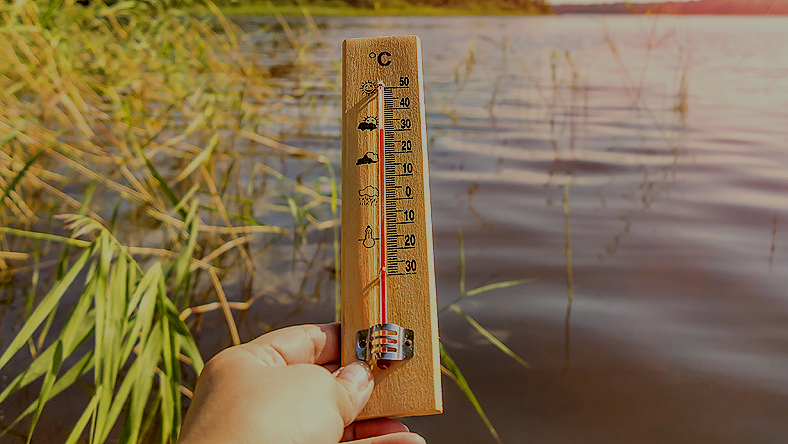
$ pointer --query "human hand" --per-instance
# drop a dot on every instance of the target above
(279, 388)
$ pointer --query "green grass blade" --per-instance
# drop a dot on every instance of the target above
(142, 322)
(456, 375)
(45, 237)
(200, 159)
(82, 422)
(148, 421)
(71, 339)
(489, 336)
(118, 299)
(182, 266)
(49, 381)
(142, 332)
(497, 286)
(118, 401)
(188, 198)
(162, 183)
(53, 5)
(102, 370)
(68, 379)
(165, 384)
(138, 383)
(46, 306)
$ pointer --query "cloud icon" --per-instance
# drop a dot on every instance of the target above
(368, 191)
(370, 126)
(370, 123)
(368, 158)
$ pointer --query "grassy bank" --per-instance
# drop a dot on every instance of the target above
(261, 9)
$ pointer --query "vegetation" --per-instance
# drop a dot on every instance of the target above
(137, 144)
(385, 7)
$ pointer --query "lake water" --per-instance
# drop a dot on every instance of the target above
(671, 135)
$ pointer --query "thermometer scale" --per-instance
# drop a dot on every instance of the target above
(389, 315)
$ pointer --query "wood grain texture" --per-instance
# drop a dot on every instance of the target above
(411, 387)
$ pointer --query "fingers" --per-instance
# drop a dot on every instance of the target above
(357, 381)
(372, 427)
(302, 344)
(380, 431)
(393, 438)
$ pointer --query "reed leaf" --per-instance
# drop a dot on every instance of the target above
(200, 159)
(82, 422)
(72, 336)
(489, 336)
(497, 286)
(122, 314)
(49, 381)
(45, 307)
(68, 379)
(454, 372)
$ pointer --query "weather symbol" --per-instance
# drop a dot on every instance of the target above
(368, 158)
(368, 191)
(368, 196)
(368, 241)
(369, 123)
(369, 88)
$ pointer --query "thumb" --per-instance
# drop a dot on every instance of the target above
(357, 379)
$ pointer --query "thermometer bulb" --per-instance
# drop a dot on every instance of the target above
(383, 364)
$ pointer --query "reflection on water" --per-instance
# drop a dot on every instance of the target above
(668, 133)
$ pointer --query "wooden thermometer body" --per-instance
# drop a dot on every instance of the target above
(387, 269)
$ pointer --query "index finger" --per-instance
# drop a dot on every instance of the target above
(300, 344)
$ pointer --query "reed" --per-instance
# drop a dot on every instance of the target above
(449, 367)
(140, 145)
(570, 282)
(137, 340)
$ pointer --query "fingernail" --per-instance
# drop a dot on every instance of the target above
(357, 373)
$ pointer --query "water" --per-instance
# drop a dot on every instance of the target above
(669, 133)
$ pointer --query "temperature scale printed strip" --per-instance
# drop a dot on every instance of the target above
(389, 313)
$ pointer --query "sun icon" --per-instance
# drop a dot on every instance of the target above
(369, 88)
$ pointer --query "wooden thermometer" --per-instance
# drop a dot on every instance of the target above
(389, 315)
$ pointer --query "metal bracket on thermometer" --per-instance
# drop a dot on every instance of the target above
(382, 344)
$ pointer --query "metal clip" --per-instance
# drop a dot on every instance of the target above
(383, 343)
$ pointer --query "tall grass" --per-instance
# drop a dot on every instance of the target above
(138, 341)
(140, 145)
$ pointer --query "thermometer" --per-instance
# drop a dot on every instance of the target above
(389, 314)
